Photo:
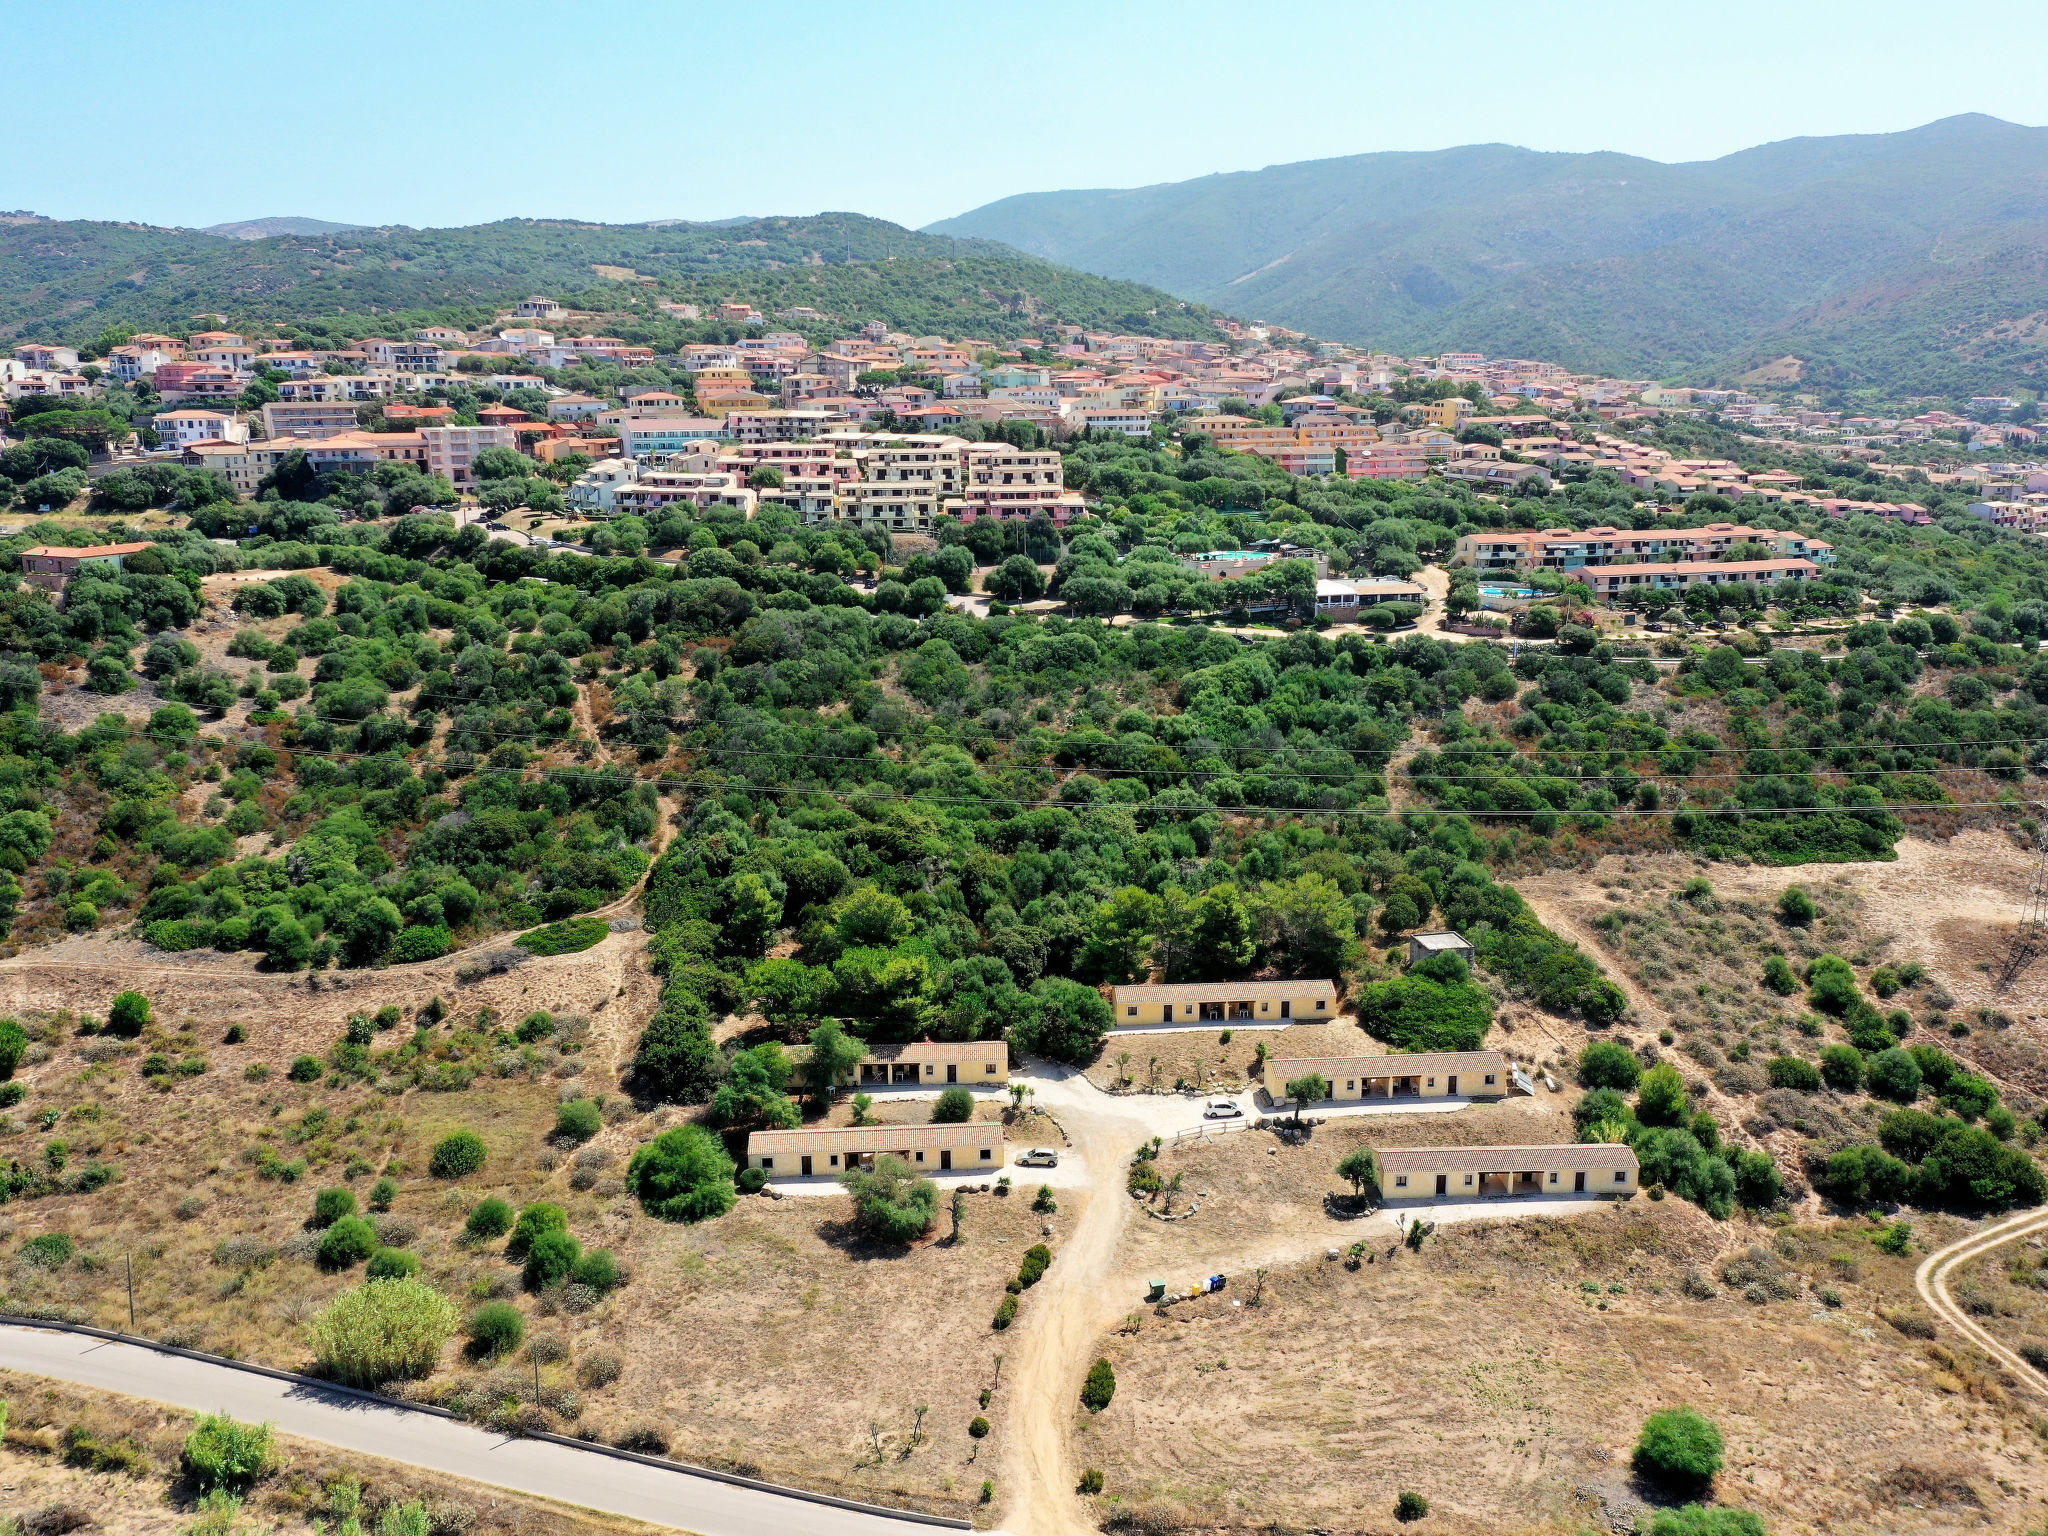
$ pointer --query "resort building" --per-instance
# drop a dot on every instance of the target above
(1405, 1075)
(1224, 1002)
(828, 1150)
(1478, 1173)
(936, 1063)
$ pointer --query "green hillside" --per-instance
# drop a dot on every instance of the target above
(70, 281)
(1909, 260)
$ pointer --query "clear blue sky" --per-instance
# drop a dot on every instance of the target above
(429, 113)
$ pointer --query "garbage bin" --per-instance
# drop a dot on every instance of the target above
(1155, 1290)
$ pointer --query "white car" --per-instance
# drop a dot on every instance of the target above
(1039, 1157)
(1222, 1109)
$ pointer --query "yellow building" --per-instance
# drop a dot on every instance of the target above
(1447, 413)
(1479, 1173)
(1224, 1002)
(828, 1150)
(937, 1062)
(1407, 1075)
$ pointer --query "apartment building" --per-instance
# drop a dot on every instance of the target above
(1342, 599)
(658, 488)
(596, 489)
(936, 1063)
(763, 426)
(1561, 549)
(1481, 1173)
(1223, 1002)
(50, 566)
(308, 418)
(182, 426)
(237, 463)
(640, 436)
(1610, 583)
(47, 356)
(1401, 1075)
(538, 308)
(451, 450)
(827, 1151)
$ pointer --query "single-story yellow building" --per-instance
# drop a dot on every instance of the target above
(1405, 1075)
(1224, 1002)
(826, 1150)
(1477, 1173)
(938, 1062)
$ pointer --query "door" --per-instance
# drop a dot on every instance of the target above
(807, 1165)
(1454, 1084)
(1287, 1010)
(945, 1158)
(1579, 1183)
(952, 1072)
(1443, 1183)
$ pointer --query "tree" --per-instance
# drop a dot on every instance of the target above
(1831, 984)
(1307, 924)
(1064, 1021)
(756, 1090)
(1894, 1075)
(676, 1061)
(1662, 1099)
(1609, 1064)
(1311, 1088)
(891, 1204)
(1841, 1066)
(955, 1106)
(501, 464)
(1359, 1168)
(833, 1057)
(1414, 1013)
(1099, 1388)
(128, 1015)
(684, 1174)
(1680, 1449)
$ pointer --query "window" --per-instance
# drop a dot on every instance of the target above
(835, 1160)
(1489, 1079)
(1468, 1180)
(1432, 1082)
(1347, 1085)
(767, 1162)
(1621, 1175)
(1553, 1175)
(1132, 1013)
(1319, 1005)
(1265, 1007)
(920, 1157)
(1400, 1181)
(986, 1155)
(989, 1067)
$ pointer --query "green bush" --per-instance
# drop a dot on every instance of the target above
(223, 1453)
(1006, 1314)
(13, 1043)
(1695, 1520)
(978, 1428)
(382, 1193)
(1032, 1270)
(1793, 1072)
(955, 1106)
(382, 1331)
(890, 1203)
(1796, 907)
(1099, 1388)
(349, 1241)
(1410, 1506)
(534, 1220)
(1091, 1481)
(392, 1264)
(128, 1015)
(684, 1174)
(1680, 1449)
(48, 1250)
(1662, 1099)
(1831, 985)
(429, 941)
(457, 1155)
(1894, 1075)
(550, 1260)
(567, 937)
(496, 1328)
(1609, 1064)
(1841, 1067)
(597, 1269)
(1778, 976)
(306, 1069)
(488, 1219)
(578, 1120)
(750, 1181)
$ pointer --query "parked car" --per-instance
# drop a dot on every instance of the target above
(497, 527)
(1222, 1109)
(1039, 1157)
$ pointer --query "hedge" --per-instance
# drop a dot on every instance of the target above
(566, 937)
(427, 942)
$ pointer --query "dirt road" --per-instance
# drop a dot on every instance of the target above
(1931, 1280)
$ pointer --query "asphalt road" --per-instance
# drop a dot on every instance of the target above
(582, 1478)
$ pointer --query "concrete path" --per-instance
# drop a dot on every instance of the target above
(587, 1479)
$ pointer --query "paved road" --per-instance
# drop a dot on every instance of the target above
(582, 1478)
(1931, 1280)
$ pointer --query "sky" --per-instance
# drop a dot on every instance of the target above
(432, 113)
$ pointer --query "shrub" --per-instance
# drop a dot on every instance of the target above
(305, 1069)
(891, 1204)
(578, 1120)
(1680, 1449)
(550, 1260)
(1006, 1314)
(1410, 1506)
(597, 1269)
(1662, 1099)
(349, 1241)
(1091, 1481)
(534, 1220)
(1796, 907)
(48, 1250)
(392, 1264)
(1841, 1067)
(128, 1015)
(382, 1193)
(13, 1043)
(488, 1219)
(382, 1331)
(750, 1181)
(1895, 1075)
(426, 941)
(684, 1174)
(567, 937)
(1099, 1388)
(1831, 985)
(954, 1107)
(1778, 976)
(537, 1025)
(1036, 1259)
(1694, 1520)
(1794, 1072)
(457, 1156)
(1861, 1176)
(599, 1368)
(645, 1437)
(1044, 1203)
(330, 1205)
(223, 1453)
(978, 1427)
(496, 1328)
(1609, 1064)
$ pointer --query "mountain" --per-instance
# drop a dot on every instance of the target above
(263, 229)
(1903, 260)
(72, 280)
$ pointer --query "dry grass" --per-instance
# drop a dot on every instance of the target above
(1486, 1374)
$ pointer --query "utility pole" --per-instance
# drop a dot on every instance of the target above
(536, 1377)
(130, 1260)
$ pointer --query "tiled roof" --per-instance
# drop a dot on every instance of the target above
(1223, 991)
(1566, 1155)
(1397, 1064)
(875, 1138)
